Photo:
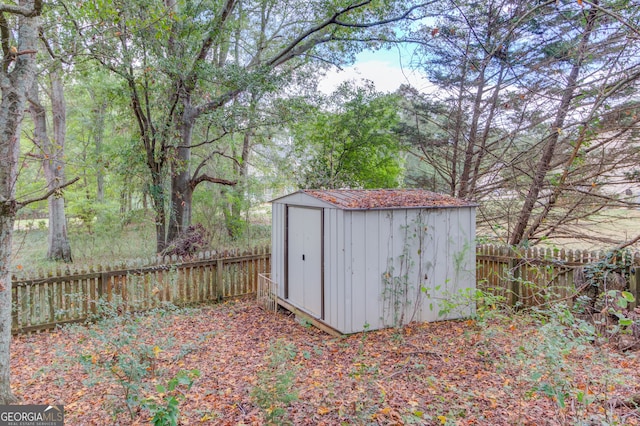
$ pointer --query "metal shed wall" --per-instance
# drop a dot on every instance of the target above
(376, 261)
(365, 259)
(278, 235)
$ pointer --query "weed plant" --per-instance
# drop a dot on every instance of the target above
(120, 352)
(550, 358)
(274, 391)
(165, 411)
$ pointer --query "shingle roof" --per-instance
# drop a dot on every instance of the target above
(386, 198)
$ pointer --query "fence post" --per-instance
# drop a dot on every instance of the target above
(634, 277)
(102, 279)
(15, 318)
(514, 278)
(219, 278)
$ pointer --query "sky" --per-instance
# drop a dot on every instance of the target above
(386, 68)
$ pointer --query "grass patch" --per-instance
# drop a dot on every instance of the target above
(113, 243)
(104, 246)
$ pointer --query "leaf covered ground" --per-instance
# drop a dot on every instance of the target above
(257, 367)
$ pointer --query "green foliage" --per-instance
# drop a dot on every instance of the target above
(223, 67)
(84, 211)
(489, 306)
(614, 261)
(232, 219)
(491, 116)
(233, 204)
(616, 303)
(557, 358)
(115, 238)
(119, 352)
(547, 356)
(350, 143)
(167, 413)
(274, 391)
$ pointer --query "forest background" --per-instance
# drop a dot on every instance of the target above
(157, 116)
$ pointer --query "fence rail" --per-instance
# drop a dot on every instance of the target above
(532, 276)
(523, 276)
(43, 301)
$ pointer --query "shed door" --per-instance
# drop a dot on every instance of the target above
(304, 259)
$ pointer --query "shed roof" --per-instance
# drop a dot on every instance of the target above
(354, 199)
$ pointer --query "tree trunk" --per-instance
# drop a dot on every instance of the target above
(463, 190)
(233, 215)
(549, 149)
(59, 248)
(493, 107)
(6, 226)
(457, 131)
(9, 124)
(235, 195)
(156, 156)
(15, 81)
(157, 198)
(181, 194)
(181, 190)
(98, 137)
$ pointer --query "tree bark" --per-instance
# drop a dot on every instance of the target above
(181, 192)
(458, 126)
(157, 198)
(549, 149)
(59, 247)
(237, 193)
(16, 78)
(463, 190)
(98, 137)
(493, 106)
(7, 215)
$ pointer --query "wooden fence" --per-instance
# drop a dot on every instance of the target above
(533, 276)
(44, 300)
(524, 276)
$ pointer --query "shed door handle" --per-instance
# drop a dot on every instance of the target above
(303, 257)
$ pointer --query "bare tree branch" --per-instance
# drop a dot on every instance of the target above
(614, 15)
(48, 194)
(401, 17)
(210, 156)
(297, 47)
(627, 243)
(5, 37)
(24, 11)
(206, 178)
(216, 103)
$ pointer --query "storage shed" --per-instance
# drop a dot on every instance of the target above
(355, 260)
